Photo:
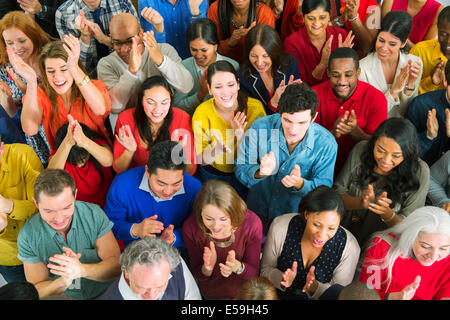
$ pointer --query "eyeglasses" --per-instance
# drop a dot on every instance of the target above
(118, 44)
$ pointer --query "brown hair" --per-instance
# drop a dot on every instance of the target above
(258, 288)
(52, 182)
(23, 22)
(55, 50)
(220, 194)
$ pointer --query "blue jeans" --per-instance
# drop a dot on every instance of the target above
(13, 273)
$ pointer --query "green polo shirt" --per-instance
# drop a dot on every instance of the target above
(37, 242)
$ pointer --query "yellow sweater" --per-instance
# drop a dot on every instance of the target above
(206, 119)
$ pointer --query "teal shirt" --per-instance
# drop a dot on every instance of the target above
(37, 242)
(189, 101)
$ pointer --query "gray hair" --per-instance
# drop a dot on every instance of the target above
(149, 251)
(427, 219)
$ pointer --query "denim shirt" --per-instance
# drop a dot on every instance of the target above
(315, 154)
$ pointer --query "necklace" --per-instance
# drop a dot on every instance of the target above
(222, 244)
(235, 24)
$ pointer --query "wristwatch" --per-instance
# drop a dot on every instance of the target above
(43, 12)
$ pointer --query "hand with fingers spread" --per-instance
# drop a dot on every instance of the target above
(432, 124)
(154, 17)
(126, 139)
(323, 63)
(267, 165)
(348, 41)
(438, 73)
(167, 235)
(238, 124)
(135, 60)
(209, 259)
(381, 206)
(238, 34)
(345, 124)
(367, 197)
(294, 179)
(66, 265)
(408, 292)
(311, 282)
(227, 268)
(289, 276)
(149, 227)
(153, 49)
(281, 87)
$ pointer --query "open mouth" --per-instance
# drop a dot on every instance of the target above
(20, 53)
(318, 242)
(59, 84)
(226, 99)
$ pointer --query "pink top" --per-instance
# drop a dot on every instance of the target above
(434, 283)
(422, 21)
(181, 121)
(247, 246)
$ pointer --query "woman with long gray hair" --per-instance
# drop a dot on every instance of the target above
(411, 260)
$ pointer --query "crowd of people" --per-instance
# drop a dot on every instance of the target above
(225, 149)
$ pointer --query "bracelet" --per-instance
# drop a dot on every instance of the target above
(196, 15)
(354, 18)
(83, 82)
(336, 20)
(390, 219)
(409, 89)
(241, 269)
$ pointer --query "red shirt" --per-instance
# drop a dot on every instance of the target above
(370, 107)
(434, 283)
(308, 57)
(181, 121)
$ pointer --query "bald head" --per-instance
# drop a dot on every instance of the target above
(123, 20)
(123, 28)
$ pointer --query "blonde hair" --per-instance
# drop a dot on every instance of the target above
(23, 22)
(222, 195)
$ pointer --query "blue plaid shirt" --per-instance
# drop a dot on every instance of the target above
(176, 20)
(65, 23)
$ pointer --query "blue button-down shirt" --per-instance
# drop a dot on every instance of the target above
(315, 154)
(176, 20)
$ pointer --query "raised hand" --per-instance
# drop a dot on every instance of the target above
(289, 276)
(153, 49)
(227, 269)
(381, 206)
(414, 72)
(77, 132)
(408, 292)
(135, 60)
(281, 87)
(400, 81)
(154, 17)
(126, 139)
(30, 6)
(432, 124)
(326, 51)
(311, 283)
(238, 124)
(268, 164)
(351, 8)
(367, 197)
(238, 34)
(294, 179)
(345, 124)
(348, 41)
(22, 68)
(194, 5)
(167, 235)
(149, 227)
(72, 47)
(438, 73)
(209, 257)
(221, 146)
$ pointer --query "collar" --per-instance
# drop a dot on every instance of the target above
(200, 69)
(258, 84)
(126, 291)
(144, 186)
(356, 96)
(307, 142)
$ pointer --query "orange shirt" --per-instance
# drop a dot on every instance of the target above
(264, 15)
(86, 116)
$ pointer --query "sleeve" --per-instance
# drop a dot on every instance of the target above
(120, 85)
(439, 176)
(102, 223)
(27, 252)
(117, 211)
(417, 113)
(273, 247)
(191, 292)
(416, 199)
(174, 71)
(105, 93)
(147, 26)
(265, 15)
(24, 209)
(187, 101)
(344, 272)
(251, 258)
